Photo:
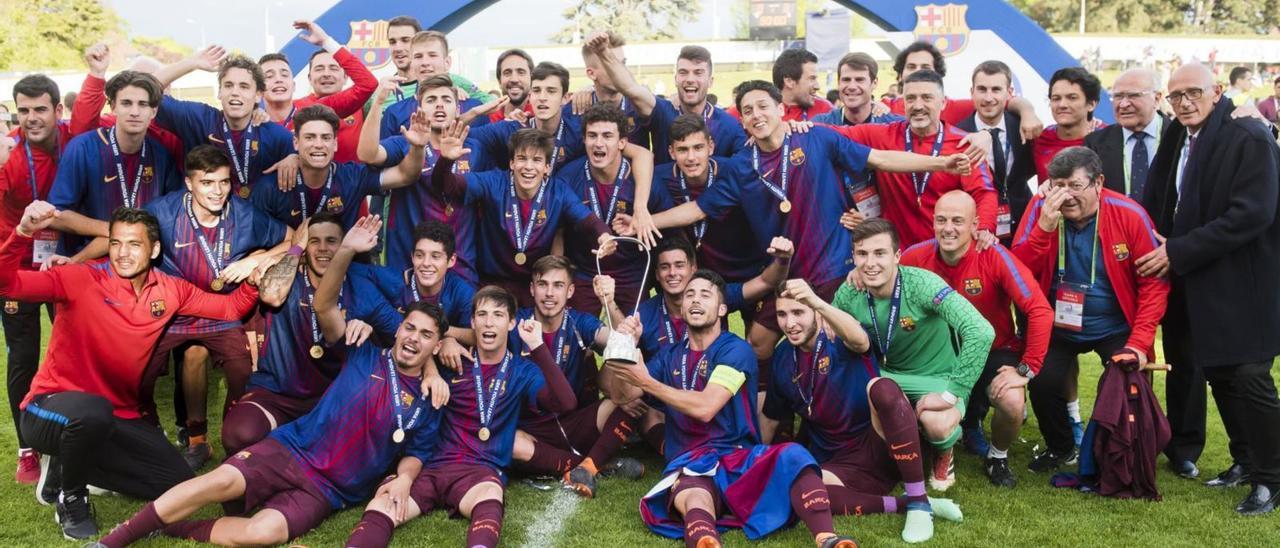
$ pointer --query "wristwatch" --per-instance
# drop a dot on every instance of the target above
(1025, 370)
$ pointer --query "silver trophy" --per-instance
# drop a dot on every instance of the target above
(622, 347)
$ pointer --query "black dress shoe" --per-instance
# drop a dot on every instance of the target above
(1231, 477)
(1184, 469)
(1261, 500)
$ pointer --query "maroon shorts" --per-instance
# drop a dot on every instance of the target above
(573, 431)
(273, 479)
(283, 409)
(444, 485)
(228, 349)
(766, 313)
(868, 467)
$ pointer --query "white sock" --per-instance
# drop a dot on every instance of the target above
(1073, 410)
(993, 453)
(24, 451)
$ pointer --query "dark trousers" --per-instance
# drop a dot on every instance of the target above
(979, 403)
(1049, 388)
(1246, 397)
(22, 337)
(131, 457)
(1184, 389)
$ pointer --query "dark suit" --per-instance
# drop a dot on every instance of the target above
(1224, 257)
(1108, 142)
(1020, 168)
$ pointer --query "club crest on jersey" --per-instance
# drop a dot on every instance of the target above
(541, 218)
(11, 307)
(824, 365)
(1121, 250)
(406, 399)
(349, 121)
(943, 26)
(797, 156)
(973, 286)
(334, 204)
(157, 308)
(907, 323)
(368, 43)
(148, 173)
(243, 455)
(463, 166)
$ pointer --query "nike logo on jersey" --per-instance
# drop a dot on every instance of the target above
(110, 178)
(182, 245)
(898, 446)
(295, 212)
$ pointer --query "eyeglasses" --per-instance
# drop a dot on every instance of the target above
(1122, 96)
(1192, 94)
(1074, 186)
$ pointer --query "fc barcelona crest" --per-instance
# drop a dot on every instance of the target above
(1121, 250)
(824, 365)
(148, 173)
(368, 43)
(334, 204)
(406, 399)
(907, 323)
(973, 286)
(157, 308)
(797, 156)
(464, 166)
(943, 26)
(11, 307)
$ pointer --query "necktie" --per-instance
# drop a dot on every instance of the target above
(999, 161)
(1138, 165)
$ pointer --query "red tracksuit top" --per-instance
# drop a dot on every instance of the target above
(104, 332)
(348, 104)
(1125, 233)
(992, 279)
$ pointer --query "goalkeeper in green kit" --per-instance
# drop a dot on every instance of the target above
(911, 315)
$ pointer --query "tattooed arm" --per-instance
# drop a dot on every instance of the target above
(274, 287)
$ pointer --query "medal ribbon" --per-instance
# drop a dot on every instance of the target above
(524, 228)
(241, 168)
(780, 193)
(128, 195)
(214, 260)
(393, 380)
(895, 306)
(813, 371)
(486, 404)
(324, 196)
(686, 380)
(700, 228)
(623, 171)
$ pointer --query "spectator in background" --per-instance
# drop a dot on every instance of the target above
(833, 96)
(69, 101)
(1270, 107)
(6, 146)
(1241, 81)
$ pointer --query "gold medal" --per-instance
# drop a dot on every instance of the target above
(217, 284)
(398, 435)
(785, 206)
(317, 351)
(521, 258)
(244, 192)
(484, 433)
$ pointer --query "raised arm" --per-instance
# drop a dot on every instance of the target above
(350, 100)
(905, 162)
(362, 237)
(841, 323)
(75, 223)
(409, 171)
(86, 114)
(26, 285)
(556, 395)
(773, 276)
(277, 281)
(207, 59)
(368, 149)
(443, 178)
(623, 81)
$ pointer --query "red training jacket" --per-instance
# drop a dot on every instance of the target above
(1125, 233)
(348, 104)
(104, 332)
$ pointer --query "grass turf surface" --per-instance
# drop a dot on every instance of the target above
(1031, 514)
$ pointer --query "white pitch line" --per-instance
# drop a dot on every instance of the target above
(546, 528)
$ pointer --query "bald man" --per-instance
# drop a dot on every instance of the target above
(990, 279)
(1212, 191)
(1128, 146)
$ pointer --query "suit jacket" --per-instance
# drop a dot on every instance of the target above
(1108, 142)
(1223, 235)
(1022, 167)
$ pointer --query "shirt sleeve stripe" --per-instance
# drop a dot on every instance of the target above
(1013, 270)
(1029, 221)
(1142, 214)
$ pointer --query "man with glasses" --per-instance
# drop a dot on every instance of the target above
(1213, 191)
(1080, 241)
(1127, 147)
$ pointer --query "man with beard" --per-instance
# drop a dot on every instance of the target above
(216, 240)
(693, 78)
(83, 407)
(991, 279)
(515, 66)
(327, 71)
(548, 88)
(718, 474)
(299, 358)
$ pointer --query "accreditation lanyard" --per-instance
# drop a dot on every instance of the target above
(688, 381)
(1128, 152)
(397, 404)
(921, 180)
(324, 195)
(240, 162)
(668, 325)
(31, 162)
(895, 307)
(606, 216)
(485, 404)
(128, 193)
(1093, 256)
(523, 229)
(779, 191)
(311, 305)
(699, 228)
(813, 372)
(555, 150)
(707, 110)
(215, 255)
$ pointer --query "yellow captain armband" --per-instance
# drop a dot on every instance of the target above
(731, 379)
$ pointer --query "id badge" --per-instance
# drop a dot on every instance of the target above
(867, 200)
(1068, 308)
(43, 245)
(1004, 221)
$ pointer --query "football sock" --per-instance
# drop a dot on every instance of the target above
(486, 524)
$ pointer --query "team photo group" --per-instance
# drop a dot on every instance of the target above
(417, 292)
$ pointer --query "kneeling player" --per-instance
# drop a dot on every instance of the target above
(373, 414)
(574, 444)
(717, 466)
(912, 314)
(860, 426)
(477, 430)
